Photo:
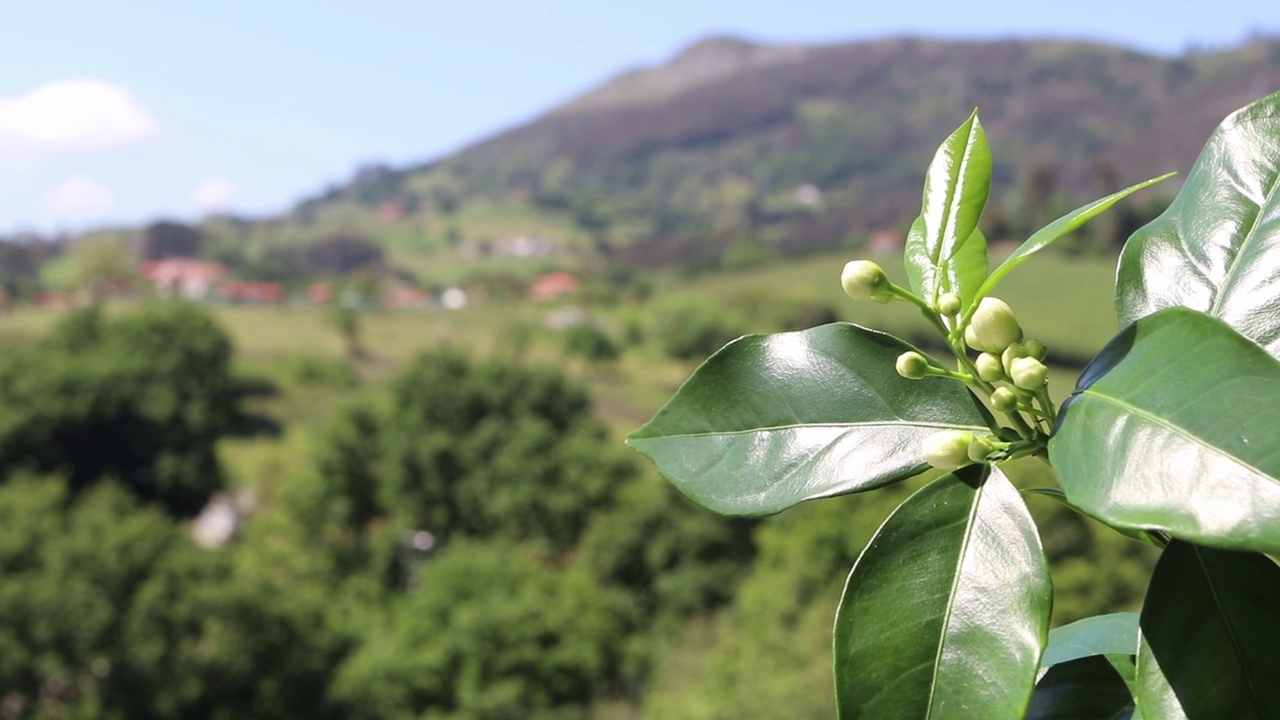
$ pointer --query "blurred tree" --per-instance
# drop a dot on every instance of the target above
(142, 399)
(108, 611)
(692, 331)
(586, 340)
(463, 449)
(673, 560)
(167, 238)
(342, 254)
(100, 263)
(494, 631)
(1042, 185)
(490, 449)
(347, 322)
(20, 261)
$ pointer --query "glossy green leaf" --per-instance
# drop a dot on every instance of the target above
(1146, 537)
(955, 192)
(1086, 688)
(945, 611)
(962, 274)
(1114, 634)
(1173, 428)
(1125, 667)
(1217, 247)
(1064, 225)
(772, 420)
(1208, 645)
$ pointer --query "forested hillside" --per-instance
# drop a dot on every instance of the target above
(791, 148)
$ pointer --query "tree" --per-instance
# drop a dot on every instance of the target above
(109, 611)
(99, 263)
(167, 238)
(591, 343)
(479, 449)
(142, 399)
(342, 254)
(493, 631)
(673, 560)
(689, 331)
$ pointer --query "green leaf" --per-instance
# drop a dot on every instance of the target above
(1125, 667)
(962, 275)
(772, 420)
(1114, 634)
(1154, 539)
(1208, 636)
(1087, 688)
(1064, 225)
(1217, 247)
(946, 610)
(955, 192)
(1172, 428)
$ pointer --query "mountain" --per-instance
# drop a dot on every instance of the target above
(735, 144)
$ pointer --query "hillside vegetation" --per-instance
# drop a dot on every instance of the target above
(734, 146)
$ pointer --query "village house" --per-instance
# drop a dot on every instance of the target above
(183, 277)
(886, 242)
(321, 293)
(251, 293)
(405, 298)
(553, 286)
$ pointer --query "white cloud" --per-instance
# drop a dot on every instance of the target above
(73, 115)
(214, 195)
(79, 198)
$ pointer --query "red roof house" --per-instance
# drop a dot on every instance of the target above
(254, 293)
(553, 286)
(188, 278)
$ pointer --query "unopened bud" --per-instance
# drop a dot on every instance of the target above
(989, 367)
(1034, 349)
(949, 304)
(1011, 353)
(1004, 399)
(980, 448)
(912, 365)
(993, 327)
(948, 449)
(1028, 373)
(865, 280)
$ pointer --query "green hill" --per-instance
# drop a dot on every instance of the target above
(754, 149)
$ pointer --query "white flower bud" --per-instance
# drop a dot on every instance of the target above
(912, 365)
(949, 304)
(1028, 373)
(1035, 349)
(993, 327)
(1004, 399)
(948, 449)
(989, 367)
(980, 448)
(1011, 353)
(864, 280)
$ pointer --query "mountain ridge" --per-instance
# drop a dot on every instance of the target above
(689, 156)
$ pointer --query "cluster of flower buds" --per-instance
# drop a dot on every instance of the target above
(1003, 355)
(1008, 366)
(950, 449)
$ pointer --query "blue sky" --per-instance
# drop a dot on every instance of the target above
(124, 112)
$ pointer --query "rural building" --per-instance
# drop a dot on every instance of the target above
(553, 286)
(405, 298)
(251, 293)
(183, 277)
